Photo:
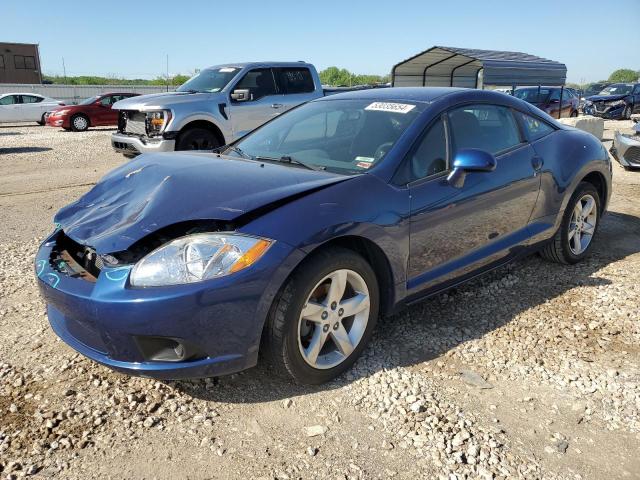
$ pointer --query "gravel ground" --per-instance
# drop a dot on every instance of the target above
(532, 371)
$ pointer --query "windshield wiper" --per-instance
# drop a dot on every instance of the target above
(291, 160)
(241, 152)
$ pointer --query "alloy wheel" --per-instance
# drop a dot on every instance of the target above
(582, 225)
(334, 319)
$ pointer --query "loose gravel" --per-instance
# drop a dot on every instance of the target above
(529, 372)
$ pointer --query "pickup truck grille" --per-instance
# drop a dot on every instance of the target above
(130, 121)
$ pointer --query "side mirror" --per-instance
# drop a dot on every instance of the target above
(470, 160)
(241, 95)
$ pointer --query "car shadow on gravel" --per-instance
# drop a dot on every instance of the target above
(428, 330)
(24, 150)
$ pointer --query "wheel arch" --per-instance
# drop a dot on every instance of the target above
(377, 259)
(207, 125)
(597, 179)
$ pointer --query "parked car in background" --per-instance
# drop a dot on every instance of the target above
(617, 101)
(590, 90)
(25, 107)
(93, 112)
(547, 99)
(217, 106)
(292, 240)
(626, 148)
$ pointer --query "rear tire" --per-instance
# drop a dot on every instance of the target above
(574, 114)
(197, 139)
(79, 123)
(306, 312)
(573, 240)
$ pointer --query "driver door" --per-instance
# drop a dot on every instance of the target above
(457, 231)
(261, 105)
(9, 108)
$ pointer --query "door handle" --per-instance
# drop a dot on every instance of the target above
(537, 163)
(276, 105)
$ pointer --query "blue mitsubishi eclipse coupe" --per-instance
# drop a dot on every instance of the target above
(290, 242)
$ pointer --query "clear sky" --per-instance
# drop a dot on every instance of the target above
(132, 38)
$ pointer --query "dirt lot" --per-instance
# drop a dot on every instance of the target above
(530, 372)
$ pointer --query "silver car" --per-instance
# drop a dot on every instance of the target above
(626, 148)
(26, 107)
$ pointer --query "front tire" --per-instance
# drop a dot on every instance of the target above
(79, 123)
(197, 139)
(580, 222)
(42, 121)
(626, 113)
(323, 318)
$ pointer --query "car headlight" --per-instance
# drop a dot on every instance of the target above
(60, 113)
(616, 103)
(156, 122)
(198, 257)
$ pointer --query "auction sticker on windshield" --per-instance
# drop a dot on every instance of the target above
(390, 107)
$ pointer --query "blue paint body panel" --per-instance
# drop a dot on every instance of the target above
(431, 234)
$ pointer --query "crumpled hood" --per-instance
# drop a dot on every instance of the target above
(161, 100)
(606, 98)
(158, 190)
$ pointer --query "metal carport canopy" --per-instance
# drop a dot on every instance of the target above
(460, 67)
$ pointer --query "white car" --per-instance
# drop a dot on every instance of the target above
(25, 107)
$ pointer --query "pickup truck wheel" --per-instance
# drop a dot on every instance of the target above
(79, 123)
(197, 139)
(323, 317)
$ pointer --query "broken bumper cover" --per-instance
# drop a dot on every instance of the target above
(132, 145)
(626, 150)
(220, 321)
(608, 112)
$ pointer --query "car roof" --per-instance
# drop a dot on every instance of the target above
(23, 93)
(259, 64)
(411, 94)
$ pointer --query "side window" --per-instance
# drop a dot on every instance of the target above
(294, 80)
(636, 91)
(30, 63)
(106, 100)
(259, 82)
(1, 61)
(8, 100)
(18, 60)
(491, 128)
(555, 95)
(30, 99)
(535, 128)
(430, 155)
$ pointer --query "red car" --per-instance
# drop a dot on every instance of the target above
(93, 112)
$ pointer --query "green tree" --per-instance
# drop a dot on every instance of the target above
(624, 75)
(341, 77)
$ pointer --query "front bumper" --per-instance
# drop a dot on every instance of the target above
(132, 145)
(60, 122)
(109, 320)
(626, 150)
(610, 113)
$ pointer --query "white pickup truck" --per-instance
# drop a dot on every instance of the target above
(217, 106)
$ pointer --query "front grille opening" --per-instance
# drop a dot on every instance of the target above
(74, 260)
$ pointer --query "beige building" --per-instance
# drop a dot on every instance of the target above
(20, 63)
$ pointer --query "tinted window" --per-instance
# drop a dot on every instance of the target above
(637, 89)
(106, 100)
(8, 100)
(1, 61)
(259, 82)
(294, 80)
(29, 63)
(535, 128)
(487, 127)
(19, 61)
(31, 99)
(430, 156)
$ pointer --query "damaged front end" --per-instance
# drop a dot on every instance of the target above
(626, 149)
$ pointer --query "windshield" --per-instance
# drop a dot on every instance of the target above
(89, 100)
(209, 81)
(532, 95)
(341, 136)
(617, 89)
